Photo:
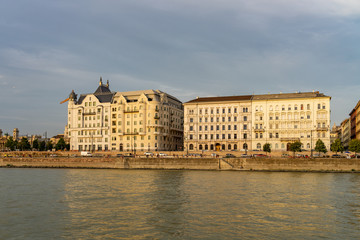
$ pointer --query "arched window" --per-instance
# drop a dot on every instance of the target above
(229, 147)
(191, 147)
(212, 147)
(235, 147)
(245, 146)
(276, 146)
(206, 147)
(223, 147)
(258, 146)
(200, 147)
(282, 146)
(308, 145)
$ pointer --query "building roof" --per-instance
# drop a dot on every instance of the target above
(288, 95)
(259, 97)
(221, 99)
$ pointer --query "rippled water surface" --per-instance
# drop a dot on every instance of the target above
(120, 204)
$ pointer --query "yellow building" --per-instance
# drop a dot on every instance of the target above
(147, 120)
(124, 121)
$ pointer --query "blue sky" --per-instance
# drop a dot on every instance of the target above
(184, 47)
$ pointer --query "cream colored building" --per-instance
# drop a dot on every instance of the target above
(89, 119)
(148, 120)
(345, 132)
(218, 123)
(280, 119)
(124, 121)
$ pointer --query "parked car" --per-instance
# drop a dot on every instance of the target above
(162, 154)
(259, 155)
(336, 156)
(245, 156)
(229, 155)
(214, 155)
(285, 155)
(148, 154)
(119, 155)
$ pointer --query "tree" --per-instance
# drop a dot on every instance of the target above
(49, 145)
(320, 146)
(11, 144)
(337, 146)
(36, 144)
(42, 146)
(61, 145)
(354, 145)
(267, 148)
(295, 147)
(24, 144)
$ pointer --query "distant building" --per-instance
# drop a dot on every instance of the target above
(16, 134)
(355, 122)
(335, 133)
(345, 127)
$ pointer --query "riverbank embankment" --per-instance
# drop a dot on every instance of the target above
(239, 164)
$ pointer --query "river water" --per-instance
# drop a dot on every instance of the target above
(150, 204)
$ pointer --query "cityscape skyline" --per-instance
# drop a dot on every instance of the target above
(185, 48)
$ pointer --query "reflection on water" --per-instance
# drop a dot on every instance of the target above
(120, 204)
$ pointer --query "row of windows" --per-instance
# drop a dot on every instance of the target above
(218, 110)
(223, 127)
(217, 136)
(290, 107)
(245, 118)
(213, 147)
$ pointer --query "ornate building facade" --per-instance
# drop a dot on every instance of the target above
(124, 121)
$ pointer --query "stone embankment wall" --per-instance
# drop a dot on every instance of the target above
(240, 164)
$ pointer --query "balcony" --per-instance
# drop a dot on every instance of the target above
(322, 129)
(259, 130)
(157, 117)
(131, 111)
(131, 133)
(289, 139)
(89, 114)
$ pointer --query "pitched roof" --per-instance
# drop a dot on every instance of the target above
(221, 99)
(102, 89)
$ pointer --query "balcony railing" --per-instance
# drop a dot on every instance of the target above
(289, 139)
(131, 111)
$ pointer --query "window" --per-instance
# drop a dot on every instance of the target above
(245, 135)
(235, 119)
(245, 127)
(258, 146)
(191, 119)
(235, 127)
(245, 118)
(229, 127)
(319, 106)
(223, 136)
(235, 136)
(200, 128)
(229, 110)
(229, 119)
(229, 136)
(223, 127)
(191, 128)
(308, 107)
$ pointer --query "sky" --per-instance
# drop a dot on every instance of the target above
(186, 48)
